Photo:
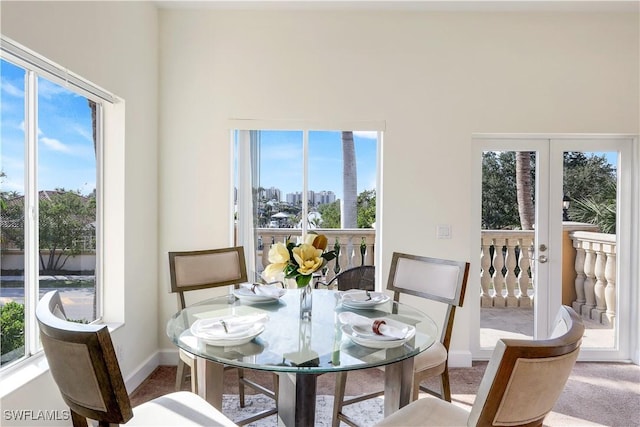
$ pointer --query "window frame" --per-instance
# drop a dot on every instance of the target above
(249, 125)
(36, 66)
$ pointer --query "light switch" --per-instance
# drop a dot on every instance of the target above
(443, 231)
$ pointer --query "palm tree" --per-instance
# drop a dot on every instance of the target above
(349, 213)
(524, 190)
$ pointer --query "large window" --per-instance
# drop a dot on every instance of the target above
(51, 144)
(291, 182)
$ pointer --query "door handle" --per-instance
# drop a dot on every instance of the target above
(542, 259)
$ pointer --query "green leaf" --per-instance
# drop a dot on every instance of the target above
(303, 280)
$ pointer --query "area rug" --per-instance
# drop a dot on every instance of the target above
(365, 413)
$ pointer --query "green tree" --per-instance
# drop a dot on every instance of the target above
(12, 326)
(499, 201)
(589, 177)
(589, 180)
(330, 214)
(65, 222)
(366, 209)
(12, 218)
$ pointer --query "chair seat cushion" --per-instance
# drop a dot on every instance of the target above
(430, 358)
(425, 412)
(178, 409)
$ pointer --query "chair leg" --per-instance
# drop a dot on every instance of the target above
(446, 387)
(415, 393)
(78, 420)
(194, 378)
(276, 386)
(338, 397)
(180, 375)
(241, 386)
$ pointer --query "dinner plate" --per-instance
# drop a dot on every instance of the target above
(202, 330)
(358, 300)
(246, 294)
(371, 340)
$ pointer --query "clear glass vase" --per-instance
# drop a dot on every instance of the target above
(306, 302)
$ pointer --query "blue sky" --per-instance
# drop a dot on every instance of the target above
(67, 158)
(66, 155)
(281, 161)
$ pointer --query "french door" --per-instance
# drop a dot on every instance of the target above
(575, 251)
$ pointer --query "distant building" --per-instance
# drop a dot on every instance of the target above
(294, 199)
(314, 198)
(272, 194)
(325, 197)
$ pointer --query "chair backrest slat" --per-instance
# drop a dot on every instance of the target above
(83, 364)
(434, 279)
(524, 378)
(194, 270)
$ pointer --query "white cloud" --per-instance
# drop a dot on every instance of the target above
(11, 90)
(48, 89)
(83, 132)
(55, 145)
(366, 134)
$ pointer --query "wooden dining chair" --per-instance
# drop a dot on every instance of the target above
(84, 366)
(520, 386)
(206, 269)
(440, 280)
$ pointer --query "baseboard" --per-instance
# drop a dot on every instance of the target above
(141, 373)
(168, 357)
(459, 359)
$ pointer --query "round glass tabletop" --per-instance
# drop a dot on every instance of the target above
(274, 338)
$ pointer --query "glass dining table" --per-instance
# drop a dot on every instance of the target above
(299, 350)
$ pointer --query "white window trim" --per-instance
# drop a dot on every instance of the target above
(244, 227)
(110, 113)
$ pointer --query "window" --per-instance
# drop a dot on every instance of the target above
(50, 224)
(291, 182)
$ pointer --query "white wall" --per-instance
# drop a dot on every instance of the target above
(434, 78)
(114, 45)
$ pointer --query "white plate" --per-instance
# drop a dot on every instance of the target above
(202, 330)
(371, 340)
(245, 294)
(358, 300)
(227, 342)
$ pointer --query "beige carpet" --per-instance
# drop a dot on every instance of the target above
(597, 394)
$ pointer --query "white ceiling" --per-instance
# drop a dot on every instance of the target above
(427, 5)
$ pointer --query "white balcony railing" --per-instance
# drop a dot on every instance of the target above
(595, 282)
(506, 276)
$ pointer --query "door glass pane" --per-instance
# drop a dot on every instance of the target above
(589, 241)
(508, 215)
(12, 160)
(67, 198)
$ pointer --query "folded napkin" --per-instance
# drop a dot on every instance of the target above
(271, 291)
(356, 295)
(373, 326)
(228, 326)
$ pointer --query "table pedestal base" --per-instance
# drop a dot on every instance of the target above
(297, 399)
(398, 385)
